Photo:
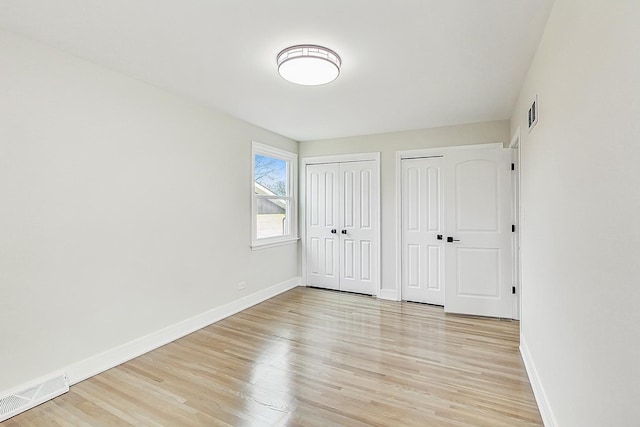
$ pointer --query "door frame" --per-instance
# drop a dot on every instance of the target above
(412, 154)
(337, 158)
(517, 215)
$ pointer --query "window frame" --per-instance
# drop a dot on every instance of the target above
(258, 148)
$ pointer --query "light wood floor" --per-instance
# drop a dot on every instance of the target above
(315, 357)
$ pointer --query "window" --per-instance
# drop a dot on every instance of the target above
(273, 196)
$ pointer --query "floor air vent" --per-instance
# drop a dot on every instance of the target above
(32, 395)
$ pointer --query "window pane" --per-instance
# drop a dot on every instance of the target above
(273, 218)
(270, 176)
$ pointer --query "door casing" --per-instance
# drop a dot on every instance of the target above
(517, 255)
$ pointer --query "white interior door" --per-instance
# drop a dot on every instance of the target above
(358, 226)
(422, 231)
(477, 220)
(322, 227)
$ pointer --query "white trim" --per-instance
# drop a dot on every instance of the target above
(302, 202)
(338, 158)
(409, 154)
(515, 139)
(125, 352)
(292, 177)
(271, 150)
(388, 294)
(548, 418)
(398, 290)
(266, 245)
(342, 158)
(440, 151)
(517, 248)
(379, 233)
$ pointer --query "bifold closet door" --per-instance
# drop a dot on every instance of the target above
(341, 226)
(322, 207)
(358, 226)
(422, 223)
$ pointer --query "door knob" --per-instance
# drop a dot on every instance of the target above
(334, 231)
(344, 231)
(451, 240)
(439, 237)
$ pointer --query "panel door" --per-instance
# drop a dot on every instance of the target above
(322, 228)
(422, 223)
(358, 226)
(477, 219)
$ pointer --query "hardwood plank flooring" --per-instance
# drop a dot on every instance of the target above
(311, 357)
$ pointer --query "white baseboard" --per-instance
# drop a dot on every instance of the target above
(548, 418)
(388, 294)
(118, 355)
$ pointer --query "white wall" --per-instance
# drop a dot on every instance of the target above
(123, 209)
(581, 214)
(388, 144)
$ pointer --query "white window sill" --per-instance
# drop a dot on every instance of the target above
(265, 245)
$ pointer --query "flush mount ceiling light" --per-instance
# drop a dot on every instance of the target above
(309, 65)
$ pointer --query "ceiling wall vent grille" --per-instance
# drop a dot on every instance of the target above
(32, 395)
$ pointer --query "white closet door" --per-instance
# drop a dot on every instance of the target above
(358, 226)
(477, 219)
(323, 225)
(422, 223)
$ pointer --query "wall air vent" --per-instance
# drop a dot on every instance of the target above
(32, 395)
(532, 118)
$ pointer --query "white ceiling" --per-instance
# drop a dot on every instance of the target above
(407, 64)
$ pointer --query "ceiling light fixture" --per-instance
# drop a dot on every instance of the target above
(309, 65)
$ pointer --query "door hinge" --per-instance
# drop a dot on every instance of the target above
(513, 166)
(513, 290)
(513, 228)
